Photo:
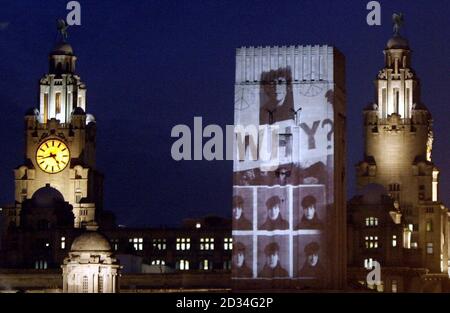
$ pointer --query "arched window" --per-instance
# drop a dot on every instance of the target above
(85, 284)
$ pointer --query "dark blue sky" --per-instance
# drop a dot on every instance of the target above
(150, 65)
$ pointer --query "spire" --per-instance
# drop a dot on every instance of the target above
(61, 90)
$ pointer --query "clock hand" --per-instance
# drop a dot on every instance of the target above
(49, 156)
(54, 157)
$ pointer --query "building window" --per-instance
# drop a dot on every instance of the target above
(429, 210)
(85, 284)
(63, 243)
(83, 212)
(100, 283)
(183, 244)
(429, 226)
(115, 244)
(429, 248)
(371, 242)
(138, 243)
(371, 221)
(394, 241)
(183, 265)
(45, 107)
(206, 243)
(421, 192)
(228, 243)
(227, 265)
(158, 262)
(394, 191)
(414, 245)
(394, 286)
(159, 244)
(58, 103)
(40, 265)
(205, 265)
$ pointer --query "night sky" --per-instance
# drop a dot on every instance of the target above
(150, 65)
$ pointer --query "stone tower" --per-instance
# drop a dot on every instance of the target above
(397, 155)
(60, 143)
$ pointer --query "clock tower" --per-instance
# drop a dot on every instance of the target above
(60, 142)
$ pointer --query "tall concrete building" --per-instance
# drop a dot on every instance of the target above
(289, 183)
(397, 220)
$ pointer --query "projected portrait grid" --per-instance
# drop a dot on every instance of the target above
(274, 227)
(282, 175)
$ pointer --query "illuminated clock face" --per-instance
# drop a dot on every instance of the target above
(52, 156)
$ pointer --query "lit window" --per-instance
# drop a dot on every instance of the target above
(228, 243)
(58, 103)
(205, 265)
(394, 241)
(40, 265)
(414, 245)
(115, 243)
(371, 221)
(183, 265)
(159, 244)
(158, 262)
(371, 242)
(198, 225)
(429, 248)
(183, 244)
(394, 286)
(138, 243)
(63, 243)
(429, 226)
(206, 243)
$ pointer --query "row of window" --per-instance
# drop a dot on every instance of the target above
(182, 265)
(185, 265)
(371, 242)
(182, 244)
(373, 222)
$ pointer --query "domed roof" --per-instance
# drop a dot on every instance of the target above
(32, 112)
(372, 193)
(397, 42)
(78, 111)
(91, 241)
(63, 48)
(47, 197)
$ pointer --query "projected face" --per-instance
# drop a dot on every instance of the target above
(280, 89)
(239, 259)
(309, 212)
(274, 212)
(237, 213)
(272, 259)
(313, 259)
